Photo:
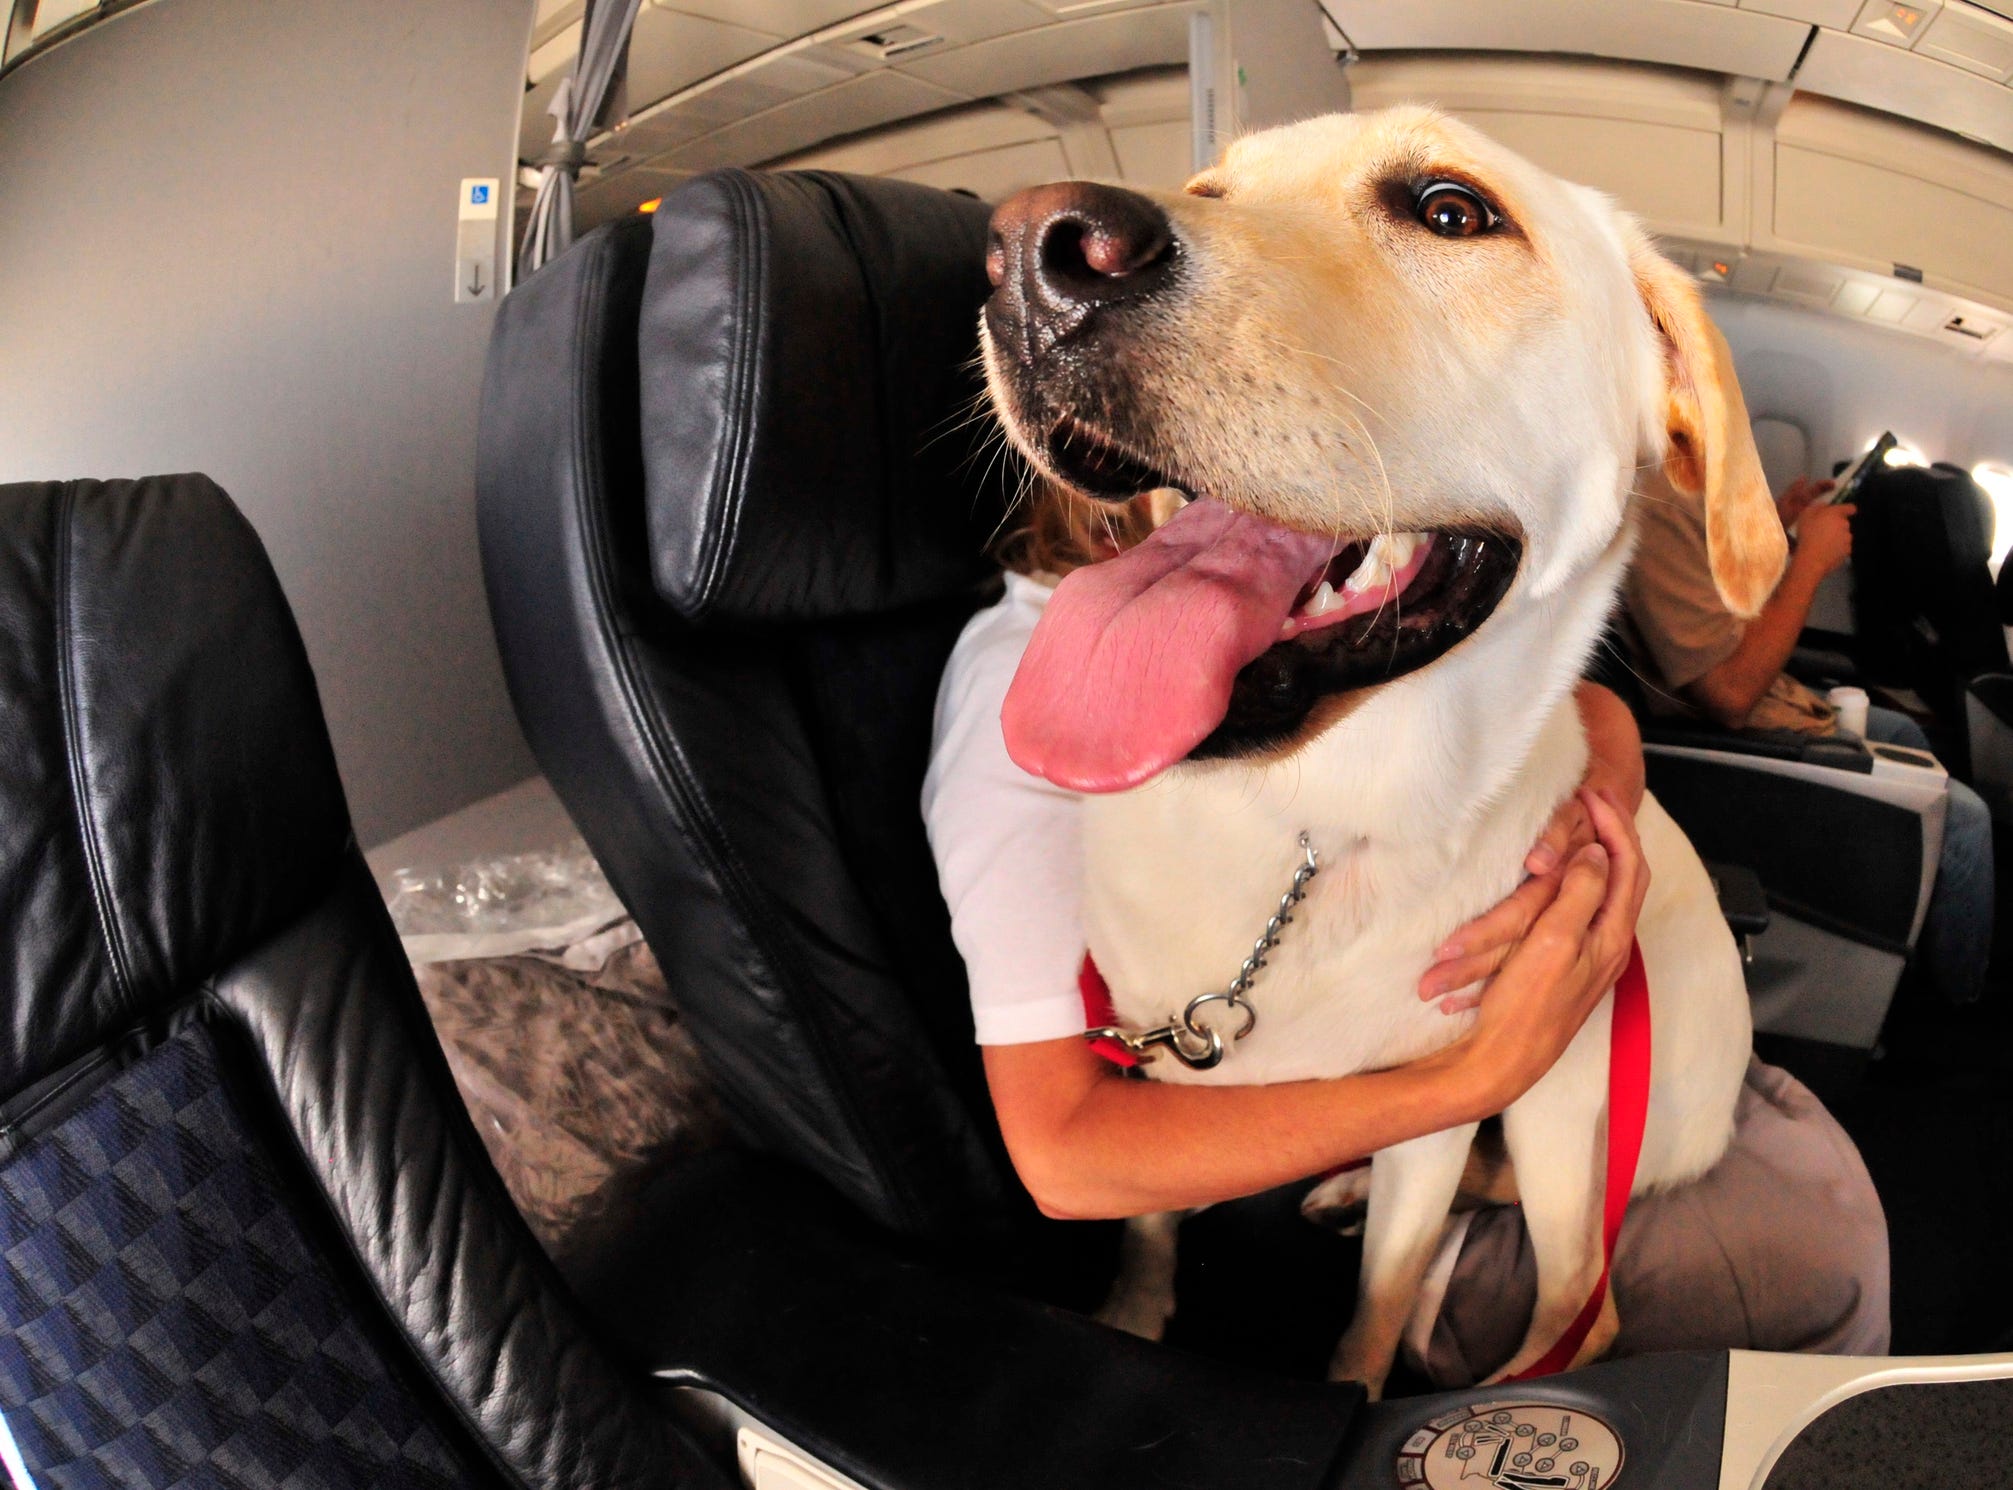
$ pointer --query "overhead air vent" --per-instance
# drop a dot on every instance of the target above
(895, 41)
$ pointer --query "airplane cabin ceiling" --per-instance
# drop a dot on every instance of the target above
(1775, 126)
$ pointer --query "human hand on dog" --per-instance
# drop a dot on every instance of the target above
(1615, 774)
(1556, 975)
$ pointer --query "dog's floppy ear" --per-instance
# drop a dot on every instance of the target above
(1712, 454)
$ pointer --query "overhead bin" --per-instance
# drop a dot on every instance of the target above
(1725, 38)
(1869, 190)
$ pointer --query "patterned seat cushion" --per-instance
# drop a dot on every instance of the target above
(164, 1319)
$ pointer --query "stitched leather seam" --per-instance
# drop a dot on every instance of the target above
(842, 220)
(701, 829)
(80, 785)
(730, 488)
(22, 1120)
(308, 1177)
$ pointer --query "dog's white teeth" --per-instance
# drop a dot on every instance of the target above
(1372, 573)
(1322, 601)
(1386, 556)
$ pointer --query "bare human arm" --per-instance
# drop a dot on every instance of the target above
(1730, 691)
(1087, 1144)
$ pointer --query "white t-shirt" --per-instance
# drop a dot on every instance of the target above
(1009, 846)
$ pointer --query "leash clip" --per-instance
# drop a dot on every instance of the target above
(1196, 1047)
(1199, 1046)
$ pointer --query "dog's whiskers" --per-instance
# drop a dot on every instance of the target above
(1299, 351)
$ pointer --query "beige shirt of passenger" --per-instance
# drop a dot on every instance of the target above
(1681, 629)
(1672, 602)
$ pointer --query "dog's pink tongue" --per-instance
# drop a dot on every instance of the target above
(1131, 665)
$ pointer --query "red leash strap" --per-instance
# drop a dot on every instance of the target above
(1628, 1111)
(1098, 1013)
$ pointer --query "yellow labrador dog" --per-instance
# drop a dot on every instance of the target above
(1406, 379)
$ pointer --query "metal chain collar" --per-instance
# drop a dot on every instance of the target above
(1195, 1044)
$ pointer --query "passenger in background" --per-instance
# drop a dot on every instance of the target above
(1700, 660)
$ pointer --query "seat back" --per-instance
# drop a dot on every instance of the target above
(735, 501)
(247, 1235)
(1924, 607)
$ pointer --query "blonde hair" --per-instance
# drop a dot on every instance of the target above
(1065, 530)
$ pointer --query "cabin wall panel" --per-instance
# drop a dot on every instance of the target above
(942, 137)
(1844, 381)
(1154, 154)
(994, 175)
(1682, 195)
(228, 246)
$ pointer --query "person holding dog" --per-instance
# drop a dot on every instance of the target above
(1703, 1267)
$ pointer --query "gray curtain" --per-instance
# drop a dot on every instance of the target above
(582, 95)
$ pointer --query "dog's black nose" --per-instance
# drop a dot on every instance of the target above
(1057, 253)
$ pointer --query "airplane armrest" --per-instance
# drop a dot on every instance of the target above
(779, 1324)
(1839, 752)
(1741, 898)
(1844, 836)
(750, 1290)
(1994, 693)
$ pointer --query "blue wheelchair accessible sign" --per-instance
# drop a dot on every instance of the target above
(478, 194)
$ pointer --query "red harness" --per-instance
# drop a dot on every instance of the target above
(1628, 1111)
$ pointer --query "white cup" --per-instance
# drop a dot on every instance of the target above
(1851, 704)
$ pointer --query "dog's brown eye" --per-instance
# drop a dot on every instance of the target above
(1453, 211)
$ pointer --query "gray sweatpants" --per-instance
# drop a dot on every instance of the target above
(1782, 1246)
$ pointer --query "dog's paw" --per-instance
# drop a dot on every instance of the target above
(1538, 1344)
(1138, 1311)
(1601, 1338)
(1340, 1202)
(1355, 1361)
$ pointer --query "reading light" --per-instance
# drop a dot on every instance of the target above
(650, 206)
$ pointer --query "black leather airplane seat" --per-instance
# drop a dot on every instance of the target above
(732, 520)
(247, 1233)
(734, 506)
(1925, 614)
(1929, 617)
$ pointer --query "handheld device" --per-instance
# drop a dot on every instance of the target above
(1849, 485)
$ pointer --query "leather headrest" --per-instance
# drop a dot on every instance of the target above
(812, 425)
(168, 797)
